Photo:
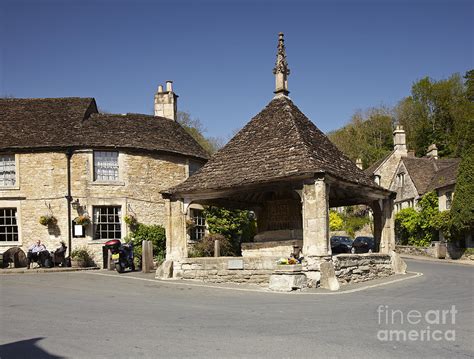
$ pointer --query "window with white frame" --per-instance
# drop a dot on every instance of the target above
(106, 166)
(8, 225)
(449, 199)
(199, 229)
(107, 222)
(7, 171)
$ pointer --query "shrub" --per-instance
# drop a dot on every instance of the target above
(236, 225)
(82, 254)
(205, 247)
(419, 228)
(154, 233)
(336, 222)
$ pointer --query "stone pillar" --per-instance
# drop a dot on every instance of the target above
(316, 247)
(387, 241)
(377, 211)
(176, 243)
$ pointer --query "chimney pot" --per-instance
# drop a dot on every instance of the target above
(169, 86)
(160, 89)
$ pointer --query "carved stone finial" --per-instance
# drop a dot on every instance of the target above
(281, 70)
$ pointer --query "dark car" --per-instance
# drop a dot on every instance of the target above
(341, 244)
(363, 245)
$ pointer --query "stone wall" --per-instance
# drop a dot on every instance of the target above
(412, 250)
(354, 268)
(42, 187)
(255, 270)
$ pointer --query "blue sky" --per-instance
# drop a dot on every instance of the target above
(343, 55)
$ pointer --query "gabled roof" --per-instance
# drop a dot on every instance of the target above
(445, 176)
(375, 166)
(280, 142)
(426, 172)
(74, 122)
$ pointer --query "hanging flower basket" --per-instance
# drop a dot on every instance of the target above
(49, 220)
(83, 220)
(131, 220)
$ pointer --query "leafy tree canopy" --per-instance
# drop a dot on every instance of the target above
(196, 129)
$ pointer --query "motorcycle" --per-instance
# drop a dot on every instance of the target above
(122, 255)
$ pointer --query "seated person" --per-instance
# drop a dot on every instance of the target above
(59, 255)
(37, 253)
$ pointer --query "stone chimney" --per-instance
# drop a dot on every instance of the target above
(281, 70)
(166, 102)
(359, 163)
(432, 152)
(399, 141)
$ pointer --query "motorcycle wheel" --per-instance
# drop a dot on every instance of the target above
(118, 268)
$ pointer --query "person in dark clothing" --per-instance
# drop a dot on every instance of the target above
(37, 253)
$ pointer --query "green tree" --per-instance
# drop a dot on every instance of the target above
(462, 210)
(196, 129)
(368, 135)
(436, 112)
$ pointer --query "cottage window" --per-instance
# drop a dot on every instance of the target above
(449, 199)
(8, 225)
(107, 223)
(7, 170)
(199, 229)
(106, 166)
(401, 179)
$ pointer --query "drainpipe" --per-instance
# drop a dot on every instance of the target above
(69, 153)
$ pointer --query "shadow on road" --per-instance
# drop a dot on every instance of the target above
(25, 349)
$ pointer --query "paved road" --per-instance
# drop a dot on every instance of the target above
(85, 315)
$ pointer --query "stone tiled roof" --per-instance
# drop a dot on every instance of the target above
(136, 131)
(445, 176)
(280, 142)
(428, 173)
(74, 122)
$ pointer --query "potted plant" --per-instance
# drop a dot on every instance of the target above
(131, 220)
(48, 220)
(83, 220)
(81, 257)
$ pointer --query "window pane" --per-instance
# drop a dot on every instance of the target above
(106, 166)
(8, 226)
(107, 222)
(7, 170)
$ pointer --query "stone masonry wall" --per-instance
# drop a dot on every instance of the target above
(354, 268)
(255, 270)
(42, 187)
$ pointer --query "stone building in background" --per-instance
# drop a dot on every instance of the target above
(60, 158)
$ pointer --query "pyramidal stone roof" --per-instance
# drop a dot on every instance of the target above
(279, 143)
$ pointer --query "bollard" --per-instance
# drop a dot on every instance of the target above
(217, 248)
(145, 259)
(110, 262)
(150, 251)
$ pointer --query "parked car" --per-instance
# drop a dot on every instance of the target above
(363, 245)
(341, 244)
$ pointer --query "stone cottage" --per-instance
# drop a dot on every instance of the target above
(61, 158)
(282, 167)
